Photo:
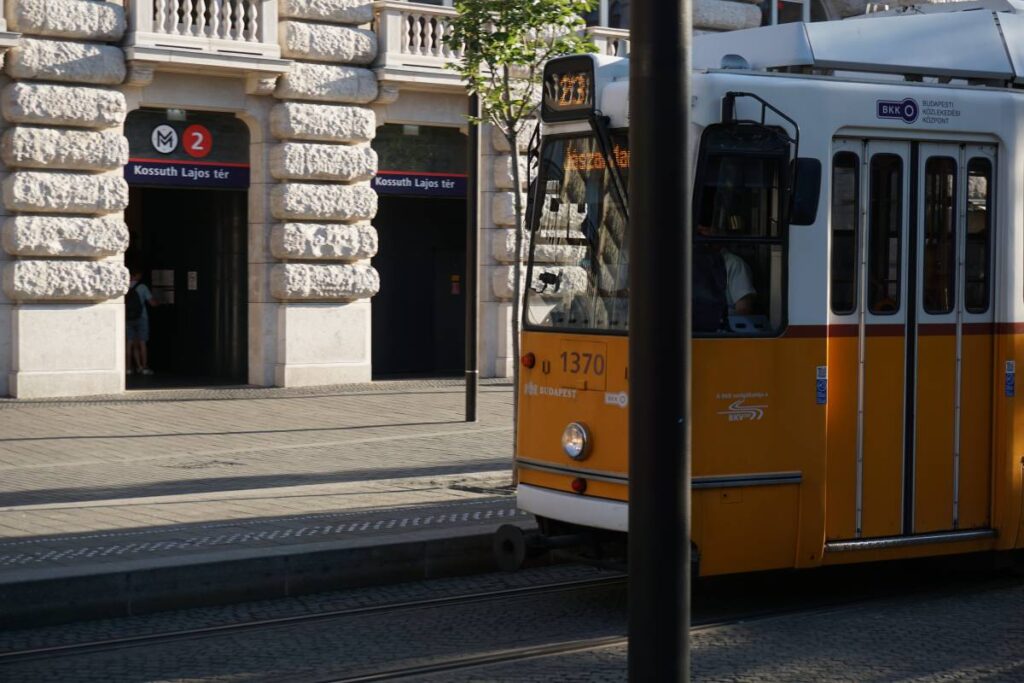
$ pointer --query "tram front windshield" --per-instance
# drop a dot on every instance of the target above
(579, 260)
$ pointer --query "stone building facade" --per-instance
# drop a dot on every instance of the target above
(294, 71)
(312, 81)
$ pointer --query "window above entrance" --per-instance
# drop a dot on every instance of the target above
(220, 36)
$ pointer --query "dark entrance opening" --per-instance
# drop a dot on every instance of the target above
(419, 315)
(190, 246)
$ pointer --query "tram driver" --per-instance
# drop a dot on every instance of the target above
(722, 283)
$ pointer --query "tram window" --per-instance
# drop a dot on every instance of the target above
(579, 258)
(977, 259)
(845, 199)
(885, 228)
(939, 278)
(738, 246)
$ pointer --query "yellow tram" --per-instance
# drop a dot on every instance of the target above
(858, 294)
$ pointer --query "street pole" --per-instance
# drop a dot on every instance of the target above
(472, 257)
(659, 341)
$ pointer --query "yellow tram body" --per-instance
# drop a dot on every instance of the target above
(785, 474)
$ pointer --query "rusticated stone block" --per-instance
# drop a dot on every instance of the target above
(327, 43)
(62, 60)
(65, 280)
(503, 172)
(63, 105)
(335, 11)
(59, 148)
(323, 241)
(503, 208)
(327, 83)
(725, 16)
(322, 122)
(504, 247)
(500, 144)
(69, 236)
(323, 281)
(308, 161)
(98, 21)
(63, 192)
(570, 279)
(320, 202)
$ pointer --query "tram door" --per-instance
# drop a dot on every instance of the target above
(910, 338)
(952, 447)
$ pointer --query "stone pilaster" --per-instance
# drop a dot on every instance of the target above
(497, 270)
(321, 204)
(64, 194)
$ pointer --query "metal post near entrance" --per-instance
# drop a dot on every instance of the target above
(472, 257)
(659, 341)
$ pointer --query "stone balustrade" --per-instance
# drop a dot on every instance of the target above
(222, 37)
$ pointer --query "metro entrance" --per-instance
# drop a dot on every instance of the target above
(187, 220)
(190, 247)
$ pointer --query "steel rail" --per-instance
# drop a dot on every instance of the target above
(599, 642)
(570, 647)
(91, 647)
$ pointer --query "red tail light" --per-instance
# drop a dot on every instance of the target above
(579, 485)
(529, 360)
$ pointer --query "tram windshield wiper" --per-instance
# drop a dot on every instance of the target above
(599, 124)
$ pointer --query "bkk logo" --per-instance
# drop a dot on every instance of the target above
(620, 399)
(739, 411)
(907, 110)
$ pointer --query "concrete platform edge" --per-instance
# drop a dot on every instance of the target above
(129, 592)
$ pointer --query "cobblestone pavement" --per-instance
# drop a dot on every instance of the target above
(960, 630)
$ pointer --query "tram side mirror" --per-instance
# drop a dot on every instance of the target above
(806, 191)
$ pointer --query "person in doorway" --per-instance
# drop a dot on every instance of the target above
(136, 325)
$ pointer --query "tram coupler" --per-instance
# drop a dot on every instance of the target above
(512, 546)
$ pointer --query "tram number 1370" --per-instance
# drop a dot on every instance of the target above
(576, 363)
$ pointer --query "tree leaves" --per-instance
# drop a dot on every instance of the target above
(504, 45)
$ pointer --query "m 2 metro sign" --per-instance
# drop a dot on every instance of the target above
(205, 151)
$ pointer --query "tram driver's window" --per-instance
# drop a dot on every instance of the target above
(738, 246)
(885, 234)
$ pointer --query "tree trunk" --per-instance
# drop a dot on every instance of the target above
(517, 283)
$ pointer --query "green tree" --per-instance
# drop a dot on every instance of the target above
(504, 45)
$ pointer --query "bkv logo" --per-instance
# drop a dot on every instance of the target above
(907, 110)
(739, 411)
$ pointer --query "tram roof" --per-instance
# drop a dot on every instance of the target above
(979, 41)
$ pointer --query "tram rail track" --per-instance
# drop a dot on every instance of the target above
(569, 647)
(168, 637)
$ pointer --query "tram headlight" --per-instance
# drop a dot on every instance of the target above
(576, 441)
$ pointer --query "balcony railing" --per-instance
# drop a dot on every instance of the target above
(233, 29)
(413, 49)
(613, 42)
(412, 45)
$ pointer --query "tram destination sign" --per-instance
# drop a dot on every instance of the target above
(420, 184)
(203, 151)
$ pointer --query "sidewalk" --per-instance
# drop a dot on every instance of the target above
(131, 503)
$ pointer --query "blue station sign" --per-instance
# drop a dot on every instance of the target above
(187, 174)
(420, 184)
